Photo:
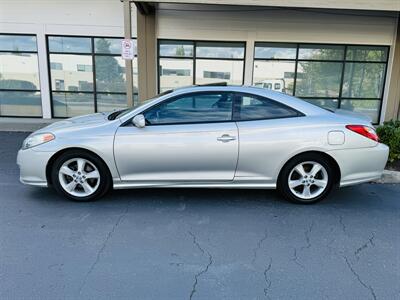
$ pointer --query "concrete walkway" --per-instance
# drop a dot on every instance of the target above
(24, 124)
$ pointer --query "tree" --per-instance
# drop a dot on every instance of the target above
(180, 51)
(109, 74)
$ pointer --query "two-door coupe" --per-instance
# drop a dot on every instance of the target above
(206, 136)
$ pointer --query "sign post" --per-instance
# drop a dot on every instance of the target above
(128, 49)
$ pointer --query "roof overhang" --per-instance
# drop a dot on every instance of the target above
(381, 5)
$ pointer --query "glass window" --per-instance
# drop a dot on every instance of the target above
(369, 108)
(330, 104)
(19, 71)
(256, 108)
(367, 53)
(192, 108)
(18, 43)
(69, 44)
(214, 61)
(67, 105)
(176, 48)
(175, 73)
(109, 46)
(321, 52)
(77, 72)
(56, 66)
(110, 74)
(319, 74)
(363, 80)
(19, 76)
(110, 102)
(318, 79)
(274, 75)
(216, 74)
(219, 50)
(20, 103)
(207, 71)
(275, 51)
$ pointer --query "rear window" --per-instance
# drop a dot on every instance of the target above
(258, 108)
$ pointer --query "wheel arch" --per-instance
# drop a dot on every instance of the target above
(328, 157)
(56, 155)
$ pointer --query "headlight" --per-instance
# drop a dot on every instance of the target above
(37, 139)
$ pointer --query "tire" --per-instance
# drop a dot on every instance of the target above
(74, 176)
(307, 185)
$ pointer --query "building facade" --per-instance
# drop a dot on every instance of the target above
(62, 58)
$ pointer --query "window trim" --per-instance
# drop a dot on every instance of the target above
(23, 90)
(194, 57)
(91, 54)
(340, 97)
(129, 121)
(236, 105)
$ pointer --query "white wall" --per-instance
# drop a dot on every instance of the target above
(272, 24)
(61, 17)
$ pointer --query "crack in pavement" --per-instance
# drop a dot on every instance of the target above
(203, 271)
(307, 246)
(368, 287)
(344, 229)
(103, 246)
(268, 281)
(307, 236)
(295, 258)
(259, 244)
(364, 246)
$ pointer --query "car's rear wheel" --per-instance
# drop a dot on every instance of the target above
(306, 179)
(80, 176)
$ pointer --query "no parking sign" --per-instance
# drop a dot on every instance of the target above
(127, 49)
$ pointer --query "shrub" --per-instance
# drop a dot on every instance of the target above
(389, 134)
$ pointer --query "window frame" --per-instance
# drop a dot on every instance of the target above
(189, 94)
(194, 57)
(22, 90)
(92, 54)
(343, 61)
(237, 103)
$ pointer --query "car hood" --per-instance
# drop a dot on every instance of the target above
(79, 122)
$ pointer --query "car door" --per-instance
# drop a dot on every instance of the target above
(189, 137)
(268, 134)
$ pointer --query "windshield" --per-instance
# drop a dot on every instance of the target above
(123, 112)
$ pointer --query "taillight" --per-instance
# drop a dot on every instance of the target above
(366, 131)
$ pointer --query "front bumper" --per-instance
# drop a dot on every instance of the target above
(362, 164)
(32, 165)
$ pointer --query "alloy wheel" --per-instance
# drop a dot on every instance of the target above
(308, 180)
(79, 177)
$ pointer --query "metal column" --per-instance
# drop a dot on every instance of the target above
(128, 62)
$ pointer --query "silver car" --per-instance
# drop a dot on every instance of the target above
(206, 136)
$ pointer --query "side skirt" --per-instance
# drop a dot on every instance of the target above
(228, 185)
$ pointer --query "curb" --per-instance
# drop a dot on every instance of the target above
(389, 177)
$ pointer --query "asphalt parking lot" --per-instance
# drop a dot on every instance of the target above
(195, 244)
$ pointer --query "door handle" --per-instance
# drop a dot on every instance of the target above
(226, 138)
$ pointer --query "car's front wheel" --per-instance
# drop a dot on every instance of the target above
(306, 179)
(80, 176)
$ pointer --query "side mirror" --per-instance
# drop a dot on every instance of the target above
(139, 121)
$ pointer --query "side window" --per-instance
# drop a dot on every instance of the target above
(256, 108)
(192, 108)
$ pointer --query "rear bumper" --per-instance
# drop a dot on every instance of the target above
(32, 165)
(361, 165)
